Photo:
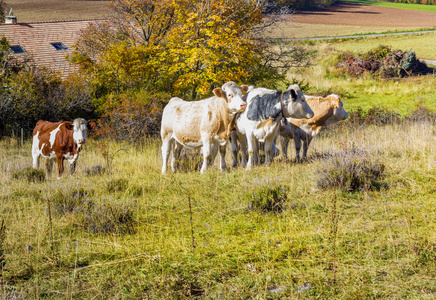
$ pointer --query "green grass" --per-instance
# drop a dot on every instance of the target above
(325, 243)
(422, 44)
(410, 6)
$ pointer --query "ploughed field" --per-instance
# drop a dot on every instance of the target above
(347, 18)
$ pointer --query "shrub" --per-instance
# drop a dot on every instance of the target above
(32, 175)
(117, 185)
(131, 116)
(383, 62)
(67, 202)
(111, 216)
(351, 172)
(269, 199)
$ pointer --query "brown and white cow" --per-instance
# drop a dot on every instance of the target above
(326, 111)
(204, 123)
(60, 140)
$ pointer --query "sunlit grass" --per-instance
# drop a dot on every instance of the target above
(222, 247)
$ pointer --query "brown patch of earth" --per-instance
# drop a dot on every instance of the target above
(347, 13)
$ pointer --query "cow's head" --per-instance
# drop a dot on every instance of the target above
(80, 128)
(295, 105)
(233, 94)
(339, 112)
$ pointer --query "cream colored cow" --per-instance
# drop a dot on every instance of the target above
(326, 111)
(200, 124)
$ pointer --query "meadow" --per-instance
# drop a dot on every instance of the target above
(119, 229)
(354, 221)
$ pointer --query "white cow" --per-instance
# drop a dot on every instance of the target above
(260, 121)
(202, 123)
(326, 111)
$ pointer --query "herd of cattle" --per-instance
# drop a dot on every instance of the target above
(245, 115)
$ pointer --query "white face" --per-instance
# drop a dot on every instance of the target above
(234, 98)
(80, 128)
(297, 106)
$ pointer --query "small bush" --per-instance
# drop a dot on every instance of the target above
(383, 62)
(32, 175)
(117, 185)
(64, 203)
(112, 216)
(269, 199)
(95, 170)
(351, 173)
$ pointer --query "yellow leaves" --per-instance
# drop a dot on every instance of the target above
(180, 45)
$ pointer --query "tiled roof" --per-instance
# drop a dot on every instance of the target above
(36, 37)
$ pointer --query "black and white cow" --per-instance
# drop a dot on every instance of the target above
(260, 120)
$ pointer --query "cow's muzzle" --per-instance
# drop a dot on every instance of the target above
(82, 141)
(243, 106)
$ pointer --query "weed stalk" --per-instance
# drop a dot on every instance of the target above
(333, 220)
(2, 254)
(192, 229)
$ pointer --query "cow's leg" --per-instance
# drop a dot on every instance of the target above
(251, 141)
(275, 150)
(243, 145)
(223, 166)
(35, 151)
(306, 143)
(214, 147)
(176, 148)
(73, 167)
(297, 143)
(60, 161)
(206, 154)
(73, 163)
(235, 148)
(49, 166)
(166, 151)
(256, 152)
(268, 149)
(284, 145)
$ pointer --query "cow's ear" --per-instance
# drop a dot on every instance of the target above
(69, 125)
(244, 88)
(293, 95)
(219, 93)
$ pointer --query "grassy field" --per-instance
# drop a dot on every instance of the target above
(133, 233)
(422, 44)
(402, 95)
(118, 229)
(409, 6)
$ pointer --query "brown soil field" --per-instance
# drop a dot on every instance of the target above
(56, 10)
(347, 13)
(351, 18)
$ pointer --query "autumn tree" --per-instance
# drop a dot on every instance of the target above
(180, 46)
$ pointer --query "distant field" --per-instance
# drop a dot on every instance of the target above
(56, 10)
(410, 6)
(422, 44)
(347, 18)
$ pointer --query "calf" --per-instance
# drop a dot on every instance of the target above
(326, 111)
(260, 121)
(204, 123)
(60, 140)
